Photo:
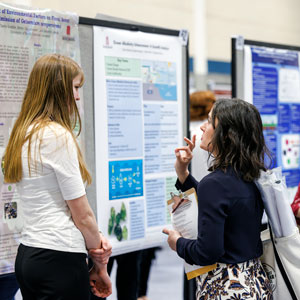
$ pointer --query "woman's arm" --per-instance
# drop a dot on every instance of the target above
(85, 221)
(190, 182)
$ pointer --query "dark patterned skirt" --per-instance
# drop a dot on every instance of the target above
(246, 280)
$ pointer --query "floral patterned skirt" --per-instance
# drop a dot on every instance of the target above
(246, 280)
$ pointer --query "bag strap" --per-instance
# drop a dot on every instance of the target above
(281, 268)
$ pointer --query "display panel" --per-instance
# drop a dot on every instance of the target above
(271, 81)
(26, 34)
(138, 124)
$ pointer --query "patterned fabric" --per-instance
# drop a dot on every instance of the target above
(235, 282)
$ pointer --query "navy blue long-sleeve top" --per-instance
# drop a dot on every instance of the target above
(229, 220)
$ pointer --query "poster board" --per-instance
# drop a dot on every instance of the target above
(268, 75)
(26, 34)
(64, 41)
(135, 141)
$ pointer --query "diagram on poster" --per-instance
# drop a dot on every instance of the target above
(126, 179)
(289, 85)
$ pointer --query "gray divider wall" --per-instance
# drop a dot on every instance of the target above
(87, 64)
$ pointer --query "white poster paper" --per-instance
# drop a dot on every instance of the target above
(26, 34)
(138, 124)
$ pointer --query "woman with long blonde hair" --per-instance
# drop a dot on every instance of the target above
(44, 160)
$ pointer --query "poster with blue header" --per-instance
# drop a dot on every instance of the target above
(272, 84)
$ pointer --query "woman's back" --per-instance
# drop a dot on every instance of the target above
(54, 177)
(229, 220)
(240, 203)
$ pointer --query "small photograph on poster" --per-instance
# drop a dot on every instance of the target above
(270, 122)
(10, 210)
(125, 179)
(117, 223)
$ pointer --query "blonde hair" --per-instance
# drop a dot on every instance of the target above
(48, 97)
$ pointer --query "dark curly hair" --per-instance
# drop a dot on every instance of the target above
(238, 140)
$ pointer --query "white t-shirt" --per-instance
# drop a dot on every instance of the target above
(55, 177)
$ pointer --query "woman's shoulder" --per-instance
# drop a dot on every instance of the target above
(214, 179)
(56, 131)
(53, 136)
(215, 176)
(54, 127)
(222, 179)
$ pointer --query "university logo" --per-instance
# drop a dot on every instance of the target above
(68, 36)
(107, 43)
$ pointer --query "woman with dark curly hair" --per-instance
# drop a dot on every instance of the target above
(230, 207)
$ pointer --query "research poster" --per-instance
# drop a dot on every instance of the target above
(272, 84)
(26, 34)
(138, 124)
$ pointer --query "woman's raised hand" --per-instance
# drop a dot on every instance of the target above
(184, 156)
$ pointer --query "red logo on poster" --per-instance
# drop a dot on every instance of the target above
(68, 30)
(107, 41)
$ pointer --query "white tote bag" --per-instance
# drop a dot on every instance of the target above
(283, 270)
(288, 249)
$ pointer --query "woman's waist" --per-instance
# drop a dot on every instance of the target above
(39, 219)
(68, 239)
